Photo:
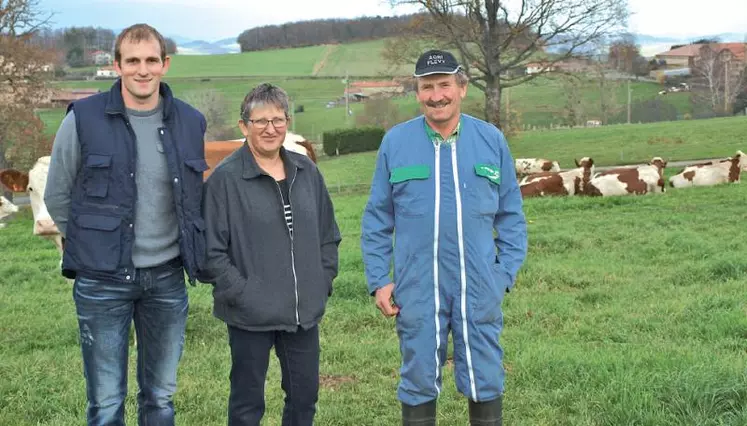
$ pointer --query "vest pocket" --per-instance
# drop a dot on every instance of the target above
(98, 242)
(97, 173)
(197, 165)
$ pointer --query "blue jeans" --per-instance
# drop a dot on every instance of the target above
(157, 301)
(298, 354)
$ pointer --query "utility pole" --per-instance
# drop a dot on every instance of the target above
(630, 91)
(347, 94)
(293, 116)
(726, 85)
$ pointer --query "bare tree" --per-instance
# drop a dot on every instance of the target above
(720, 77)
(214, 106)
(496, 38)
(623, 54)
(24, 68)
(171, 47)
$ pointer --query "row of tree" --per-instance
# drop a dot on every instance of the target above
(74, 45)
(323, 31)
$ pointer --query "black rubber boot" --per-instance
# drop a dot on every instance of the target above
(419, 415)
(488, 413)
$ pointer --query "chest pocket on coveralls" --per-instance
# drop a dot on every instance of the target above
(484, 197)
(408, 189)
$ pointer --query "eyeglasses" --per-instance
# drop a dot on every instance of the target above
(262, 123)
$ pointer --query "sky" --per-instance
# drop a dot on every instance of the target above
(218, 19)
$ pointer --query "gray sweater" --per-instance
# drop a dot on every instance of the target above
(156, 226)
(264, 277)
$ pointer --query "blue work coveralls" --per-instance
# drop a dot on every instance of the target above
(443, 202)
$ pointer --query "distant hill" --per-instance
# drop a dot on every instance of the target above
(650, 45)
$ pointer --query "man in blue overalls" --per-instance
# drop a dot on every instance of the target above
(444, 181)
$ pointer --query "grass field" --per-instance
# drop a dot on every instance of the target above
(540, 102)
(608, 145)
(628, 311)
(361, 58)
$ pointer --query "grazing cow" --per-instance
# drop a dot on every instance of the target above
(35, 183)
(527, 166)
(6, 209)
(216, 151)
(724, 171)
(570, 182)
(637, 180)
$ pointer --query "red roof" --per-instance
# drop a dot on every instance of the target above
(362, 84)
(693, 50)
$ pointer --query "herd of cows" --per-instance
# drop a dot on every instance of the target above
(35, 181)
(539, 177)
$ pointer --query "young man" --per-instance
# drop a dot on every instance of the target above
(445, 181)
(124, 189)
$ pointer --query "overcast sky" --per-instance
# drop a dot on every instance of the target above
(218, 19)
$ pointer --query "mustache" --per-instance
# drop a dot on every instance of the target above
(437, 104)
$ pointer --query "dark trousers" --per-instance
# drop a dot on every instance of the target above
(298, 354)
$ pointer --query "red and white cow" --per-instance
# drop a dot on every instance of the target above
(723, 171)
(527, 166)
(570, 182)
(35, 183)
(6, 209)
(638, 180)
(216, 151)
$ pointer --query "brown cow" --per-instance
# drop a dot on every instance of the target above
(216, 151)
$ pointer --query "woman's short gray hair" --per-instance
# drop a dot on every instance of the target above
(263, 95)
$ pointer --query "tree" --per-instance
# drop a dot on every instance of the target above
(623, 54)
(214, 106)
(24, 67)
(170, 46)
(719, 78)
(381, 112)
(496, 38)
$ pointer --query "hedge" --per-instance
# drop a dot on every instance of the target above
(346, 141)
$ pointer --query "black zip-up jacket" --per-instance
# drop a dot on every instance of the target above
(264, 279)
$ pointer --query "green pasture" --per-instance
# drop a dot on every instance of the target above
(540, 102)
(628, 311)
(608, 145)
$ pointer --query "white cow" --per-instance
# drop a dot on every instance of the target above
(6, 209)
(724, 171)
(526, 166)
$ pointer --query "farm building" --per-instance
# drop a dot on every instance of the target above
(360, 90)
(687, 56)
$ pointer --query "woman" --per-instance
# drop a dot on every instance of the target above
(272, 243)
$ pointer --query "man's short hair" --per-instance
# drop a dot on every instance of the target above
(135, 34)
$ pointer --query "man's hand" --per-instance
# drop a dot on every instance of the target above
(384, 301)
